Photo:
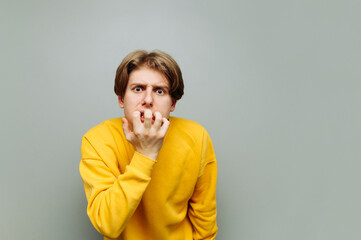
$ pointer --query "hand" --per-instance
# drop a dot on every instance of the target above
(147, 137)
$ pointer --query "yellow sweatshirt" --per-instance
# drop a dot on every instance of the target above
(132, 197)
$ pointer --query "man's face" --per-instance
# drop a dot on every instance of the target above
(146, 89)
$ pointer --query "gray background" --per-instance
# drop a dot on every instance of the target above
(276, 84)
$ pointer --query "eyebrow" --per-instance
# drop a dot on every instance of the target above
(144, 85)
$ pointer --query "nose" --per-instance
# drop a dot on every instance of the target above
(148, 98)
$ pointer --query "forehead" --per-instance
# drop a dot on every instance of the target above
(147, 76)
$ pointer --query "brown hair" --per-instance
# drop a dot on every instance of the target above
(157, 60)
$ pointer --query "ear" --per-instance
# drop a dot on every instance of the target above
(121, 102)
(173, 105)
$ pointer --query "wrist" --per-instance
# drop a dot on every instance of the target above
(151, 155)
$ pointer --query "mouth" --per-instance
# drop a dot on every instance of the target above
(142, 117)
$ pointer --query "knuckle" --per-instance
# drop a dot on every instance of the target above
(137, 132)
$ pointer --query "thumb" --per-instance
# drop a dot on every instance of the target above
(164, 127)
(127, 132)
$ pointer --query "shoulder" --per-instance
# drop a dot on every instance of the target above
(187, 130)
(106, 129)
(186, 123)
(106, 138)
(190, 135)
(181, 124)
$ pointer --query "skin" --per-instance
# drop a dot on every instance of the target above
(147, 105)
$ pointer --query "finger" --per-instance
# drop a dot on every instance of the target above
(148, 118)
(127, 132)
(157, 120)
(137, 123)
(164, 128)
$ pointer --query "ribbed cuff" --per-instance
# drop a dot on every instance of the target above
(142, 163)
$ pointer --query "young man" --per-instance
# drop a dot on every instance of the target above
(148, 175)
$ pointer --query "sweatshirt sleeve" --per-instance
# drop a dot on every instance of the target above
(112, 199)
(202, 205)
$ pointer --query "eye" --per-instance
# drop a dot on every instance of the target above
(137, 89)
(160, 91)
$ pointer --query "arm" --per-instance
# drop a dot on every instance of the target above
(202, 205)
(112, 199)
